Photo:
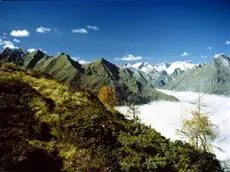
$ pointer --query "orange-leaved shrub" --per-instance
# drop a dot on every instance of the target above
(107, 95)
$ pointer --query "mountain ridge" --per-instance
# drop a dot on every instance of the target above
(165, 66)
(46, 126)
(161, 74)
(94, 75)
(213, 78)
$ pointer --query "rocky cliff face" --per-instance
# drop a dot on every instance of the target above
(210, 78)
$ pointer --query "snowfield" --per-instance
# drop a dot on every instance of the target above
(166, 116)
(168, 67)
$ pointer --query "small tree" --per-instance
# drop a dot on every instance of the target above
(107, 96)
(199, 130)
(226, 165)
(133, 111)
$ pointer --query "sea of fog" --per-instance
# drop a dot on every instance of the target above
(166, 116)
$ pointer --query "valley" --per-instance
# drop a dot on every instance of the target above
(140, 85)
(115, 86)
(166, 116)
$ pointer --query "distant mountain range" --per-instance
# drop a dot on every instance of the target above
(168, 67)
(163, 73)
(130, 85)
(213, 77)
(136, 82)
(46, 126)
(210, 78)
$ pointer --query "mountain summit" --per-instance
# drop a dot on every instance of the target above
(210, 78)
(168, 67)
(129, 85)
(46, 126)
(161, 74)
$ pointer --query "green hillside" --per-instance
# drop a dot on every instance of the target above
(90, 76)
(46, 126)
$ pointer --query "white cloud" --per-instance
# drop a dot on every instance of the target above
(30, 50)
(42, 29)
(83, 62)
(95, 28)
(167, 116)
(184, 54)
(20, 33)
(7, 44)
(218, 54)
(209, 48)
(84, 30)
(80, 30)
(129, 57)
(16, 40)
(227, 42)
(80, 61)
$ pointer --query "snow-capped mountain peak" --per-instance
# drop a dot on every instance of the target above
(143, 66)
(183, 65)
(162, 66)
(160, 74)
(168, 67)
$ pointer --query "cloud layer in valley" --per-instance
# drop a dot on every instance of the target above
(166, 116)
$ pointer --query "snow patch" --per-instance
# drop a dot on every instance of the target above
(168, 67)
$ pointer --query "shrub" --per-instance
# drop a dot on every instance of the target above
(107, 95)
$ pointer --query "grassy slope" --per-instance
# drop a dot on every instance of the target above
(73, 131)
(64, 105)
(91, 76)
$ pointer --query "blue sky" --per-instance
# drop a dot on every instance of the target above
(119, 30)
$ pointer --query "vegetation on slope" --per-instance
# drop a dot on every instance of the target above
(92, 76)
(47, 126)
